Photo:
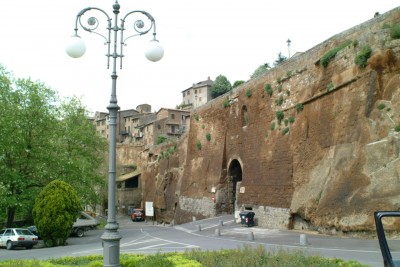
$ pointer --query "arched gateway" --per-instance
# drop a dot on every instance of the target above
(235, 177)
(229, 189)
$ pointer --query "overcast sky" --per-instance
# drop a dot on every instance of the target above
(201, 39)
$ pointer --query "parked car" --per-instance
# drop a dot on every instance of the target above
(17, 237)
(34, 231)
(84, 223)
(137, 215)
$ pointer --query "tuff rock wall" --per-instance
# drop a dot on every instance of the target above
(330, 162)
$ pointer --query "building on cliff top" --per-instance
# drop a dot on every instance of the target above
(197, 95)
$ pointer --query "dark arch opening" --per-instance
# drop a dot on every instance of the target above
(235, 175)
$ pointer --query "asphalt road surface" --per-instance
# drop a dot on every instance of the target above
(210, 234)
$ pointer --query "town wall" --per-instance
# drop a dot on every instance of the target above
(330, 163)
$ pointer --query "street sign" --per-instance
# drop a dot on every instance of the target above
(149, 209)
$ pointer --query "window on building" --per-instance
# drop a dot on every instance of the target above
(188, 93)
(173, 116)
(195, 91)
(245, 116)
(158, 126)
(132, 182)
(183, 94)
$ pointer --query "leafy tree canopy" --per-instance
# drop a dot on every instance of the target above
(220, 86)
(237, 83)
(56, 209)
(43, 139)
(281, 58)
(260, 70)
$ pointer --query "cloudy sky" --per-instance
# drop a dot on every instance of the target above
(201, 39)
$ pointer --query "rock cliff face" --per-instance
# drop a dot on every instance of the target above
(321, 151)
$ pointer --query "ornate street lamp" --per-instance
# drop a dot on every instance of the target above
(76, 48)
(288, 47)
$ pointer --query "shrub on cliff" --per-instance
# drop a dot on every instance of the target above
(327, 57)
(362, 57)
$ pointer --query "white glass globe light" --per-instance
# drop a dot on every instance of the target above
(76, 47)
(155, 51)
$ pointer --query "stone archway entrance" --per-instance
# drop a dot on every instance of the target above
(235, 179)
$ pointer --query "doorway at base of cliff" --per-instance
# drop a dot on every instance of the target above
(229, 190)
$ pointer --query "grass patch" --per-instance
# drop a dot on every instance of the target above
(246, 256)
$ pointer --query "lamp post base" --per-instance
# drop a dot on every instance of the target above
(111, 238)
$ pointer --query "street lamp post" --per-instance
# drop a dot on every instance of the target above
(288, 46)
(76, 48)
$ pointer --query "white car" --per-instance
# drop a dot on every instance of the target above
(17, 237)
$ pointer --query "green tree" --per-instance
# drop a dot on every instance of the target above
(237, 83)
(27, 120)
(260, 70)
(42, 139)
(79, 153)
(281, 58)
(220, 86)
(56, 209)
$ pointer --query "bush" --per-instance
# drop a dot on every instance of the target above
(299, 107)
(332, 53)
(248, 93)
(330, 87)
(56, 209)
(237, 83)
(208, 136)
(280, 115)
(227, 103)
(395, 31)
(268, 89)
(198, 144)
(279, 101)
(161, 139)
(381, 106)
(285, 131)
(362, 57)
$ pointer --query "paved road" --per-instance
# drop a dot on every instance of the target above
(210, 234)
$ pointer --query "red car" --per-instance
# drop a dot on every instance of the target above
(137, 215)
